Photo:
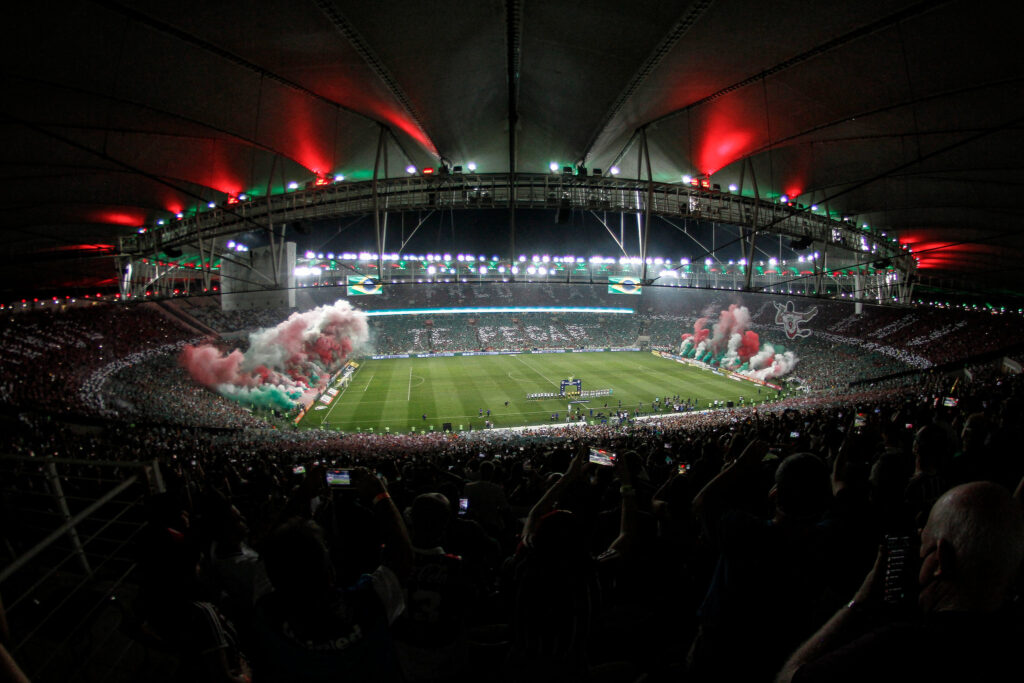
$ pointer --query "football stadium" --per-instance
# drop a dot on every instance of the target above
(511, 341)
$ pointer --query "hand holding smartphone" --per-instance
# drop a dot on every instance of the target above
(339, 478)
(602, 457)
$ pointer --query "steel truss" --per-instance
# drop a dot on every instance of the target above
(144, 266)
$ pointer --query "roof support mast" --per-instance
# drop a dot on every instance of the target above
(646, 154)
(376, 202)
(512, 26)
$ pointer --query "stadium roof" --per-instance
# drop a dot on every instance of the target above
(906, 116)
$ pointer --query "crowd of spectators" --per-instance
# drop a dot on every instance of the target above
(721, 544)
(561, 569)
(47, 356)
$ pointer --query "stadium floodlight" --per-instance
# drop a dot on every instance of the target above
(708, 261)
(431, 270)
(522, 258)
(545, 258)
(535, 258)
(242, 196)
(501, 269)
(743, 261)
(554, 166)
(614, 170)
(542, 271)
(212, 205)
(230, 244)
(483, 270)
(471, 166)
(293, 185)
(687, 179)
(460, 257)
(814, 207)
(310, 254)
(179, 215)
(658, 261)
(470, 258)
(772, 261)
(410, 169)
(784, 199)
(161, 221)
(733, 187)
(515, 270)
(338, 177)
(447, 257)
(531, 270)
(801, 259)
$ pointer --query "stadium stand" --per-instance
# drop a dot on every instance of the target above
(665, 578)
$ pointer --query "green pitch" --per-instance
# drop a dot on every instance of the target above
(396, 393)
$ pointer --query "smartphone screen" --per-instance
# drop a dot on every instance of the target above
(859, 420)
(299, 469)
(794, 435)
(463, 505)
(683, 467)
(950, 402)
(339, 478)
(602, 457)
(900, 570)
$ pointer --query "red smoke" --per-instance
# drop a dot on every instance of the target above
(210, 368)
(750, 345)
(293, 358)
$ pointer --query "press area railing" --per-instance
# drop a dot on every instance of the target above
(521, 191)
(68, 561)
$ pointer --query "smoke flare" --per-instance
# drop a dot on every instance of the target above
(730, 344)
(285, 364)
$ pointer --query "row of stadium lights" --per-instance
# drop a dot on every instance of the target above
(65, 300)
(99, 297)
(536, 258)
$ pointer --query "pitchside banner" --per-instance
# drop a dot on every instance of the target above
(362, 284)
(624, 285)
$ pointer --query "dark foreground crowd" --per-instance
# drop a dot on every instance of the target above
(855, 540)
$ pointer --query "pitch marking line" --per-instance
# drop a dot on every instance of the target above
(553, 383)
(337, 399)
(408, 395)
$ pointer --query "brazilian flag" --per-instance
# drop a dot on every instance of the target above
(362, 284)
(624, 285)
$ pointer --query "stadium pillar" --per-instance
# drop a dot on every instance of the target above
(376, 202)
(748, 247)
(645, 153)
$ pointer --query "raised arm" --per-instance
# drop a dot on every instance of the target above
(547, 502)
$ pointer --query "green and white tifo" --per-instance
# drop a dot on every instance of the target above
(395, 394)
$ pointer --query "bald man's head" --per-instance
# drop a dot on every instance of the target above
(972, 548)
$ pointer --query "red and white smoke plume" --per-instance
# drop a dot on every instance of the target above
(732, 345)
(284, 364)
